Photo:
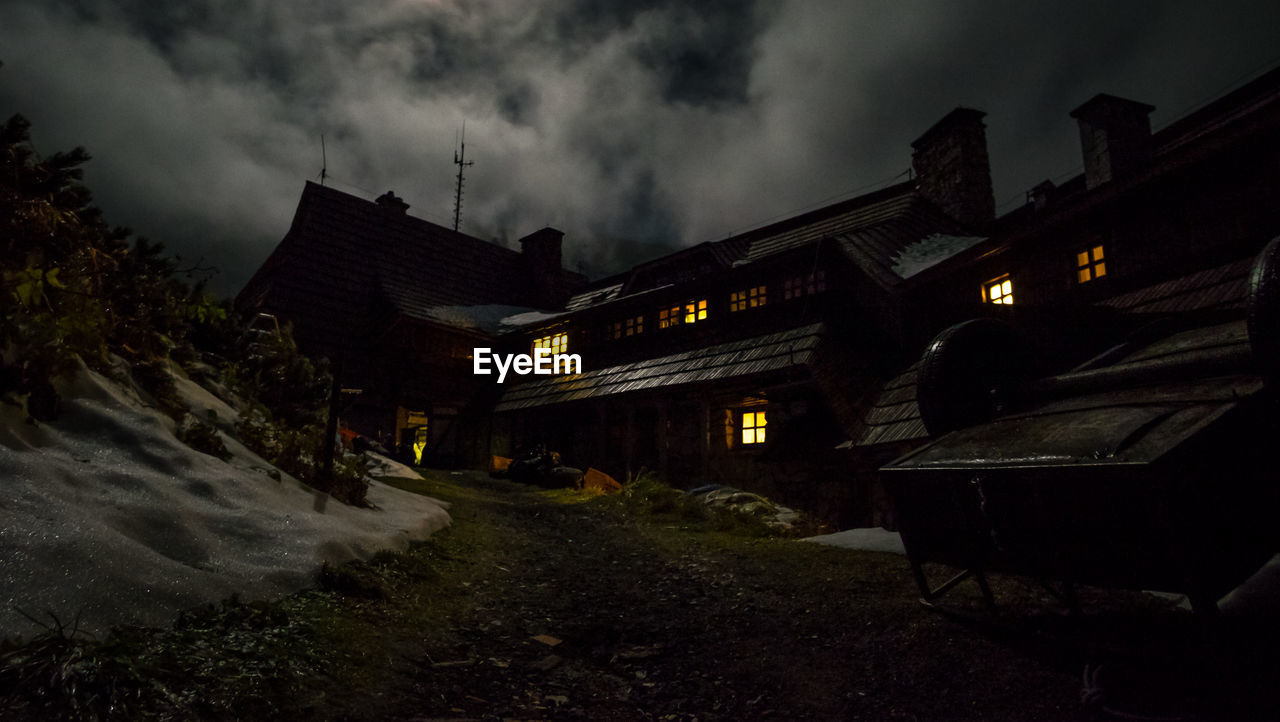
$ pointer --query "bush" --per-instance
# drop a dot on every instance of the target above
(203, 438)
(294, 451)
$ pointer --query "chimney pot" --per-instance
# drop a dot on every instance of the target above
(390, 202)
(1039, 196)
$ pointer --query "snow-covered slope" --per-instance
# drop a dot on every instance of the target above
(105, 514)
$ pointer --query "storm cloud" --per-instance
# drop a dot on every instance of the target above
(635, 127)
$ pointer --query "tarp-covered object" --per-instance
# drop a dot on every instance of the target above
(1152, 472)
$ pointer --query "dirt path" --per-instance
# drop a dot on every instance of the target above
(590, 611)
(547, 605)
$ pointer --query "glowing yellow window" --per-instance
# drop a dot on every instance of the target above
(635, 325)
(695, 311)
(1090, 265)
(750, 298)
(753, 423)
(998, 291)
(669, 317)
(558, 342)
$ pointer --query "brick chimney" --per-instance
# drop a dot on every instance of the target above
(952, 170)
(391, 203)
(541, 252)
(1115, 137)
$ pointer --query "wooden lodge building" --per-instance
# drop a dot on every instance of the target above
(400, 303)
(784, 359)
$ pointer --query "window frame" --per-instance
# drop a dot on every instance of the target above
(749, 297)
(1005, 298)
(557, 341)
(757, 430)
(804, 284)
(1094, 264)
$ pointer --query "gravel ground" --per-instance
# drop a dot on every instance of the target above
(550, 605)
(598, 610)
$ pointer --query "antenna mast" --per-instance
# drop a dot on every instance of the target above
(324, 161)
(459, 159)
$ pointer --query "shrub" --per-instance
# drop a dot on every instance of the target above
(203, 438)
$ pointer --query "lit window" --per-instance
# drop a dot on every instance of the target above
(669, 317)
(630, 327)
(558, 342)
(695, 311)
(753, 423)
(797, 286)
(998, 291)
(750, 298)
(1090, 265)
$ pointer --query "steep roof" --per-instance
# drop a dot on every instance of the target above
(345, 257)
(861, 212)
(891, 234)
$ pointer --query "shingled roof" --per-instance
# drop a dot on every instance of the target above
(345, 258)
(879, 232)
(1224, 287)
(874, 231)
(772, 352)
(894, 415)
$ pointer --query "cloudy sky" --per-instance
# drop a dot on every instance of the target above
(632, 126)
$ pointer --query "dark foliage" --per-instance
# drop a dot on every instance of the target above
(76, 289)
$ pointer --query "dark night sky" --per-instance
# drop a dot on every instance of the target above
(632, 126)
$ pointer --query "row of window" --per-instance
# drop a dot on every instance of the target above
(691, 312)
(557, 342)
(696, 310)
(1090, 265)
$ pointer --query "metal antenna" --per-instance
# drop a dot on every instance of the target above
(459, 159)
(324, 161)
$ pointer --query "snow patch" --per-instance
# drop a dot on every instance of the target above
(106, 515)
(529, 317)
(873, 539)
(930, 251)
(490, 318)
(382, 467)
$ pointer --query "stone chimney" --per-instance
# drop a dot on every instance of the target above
(1115, 137)
(541, 251)
(392, 204)
(952, 170)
